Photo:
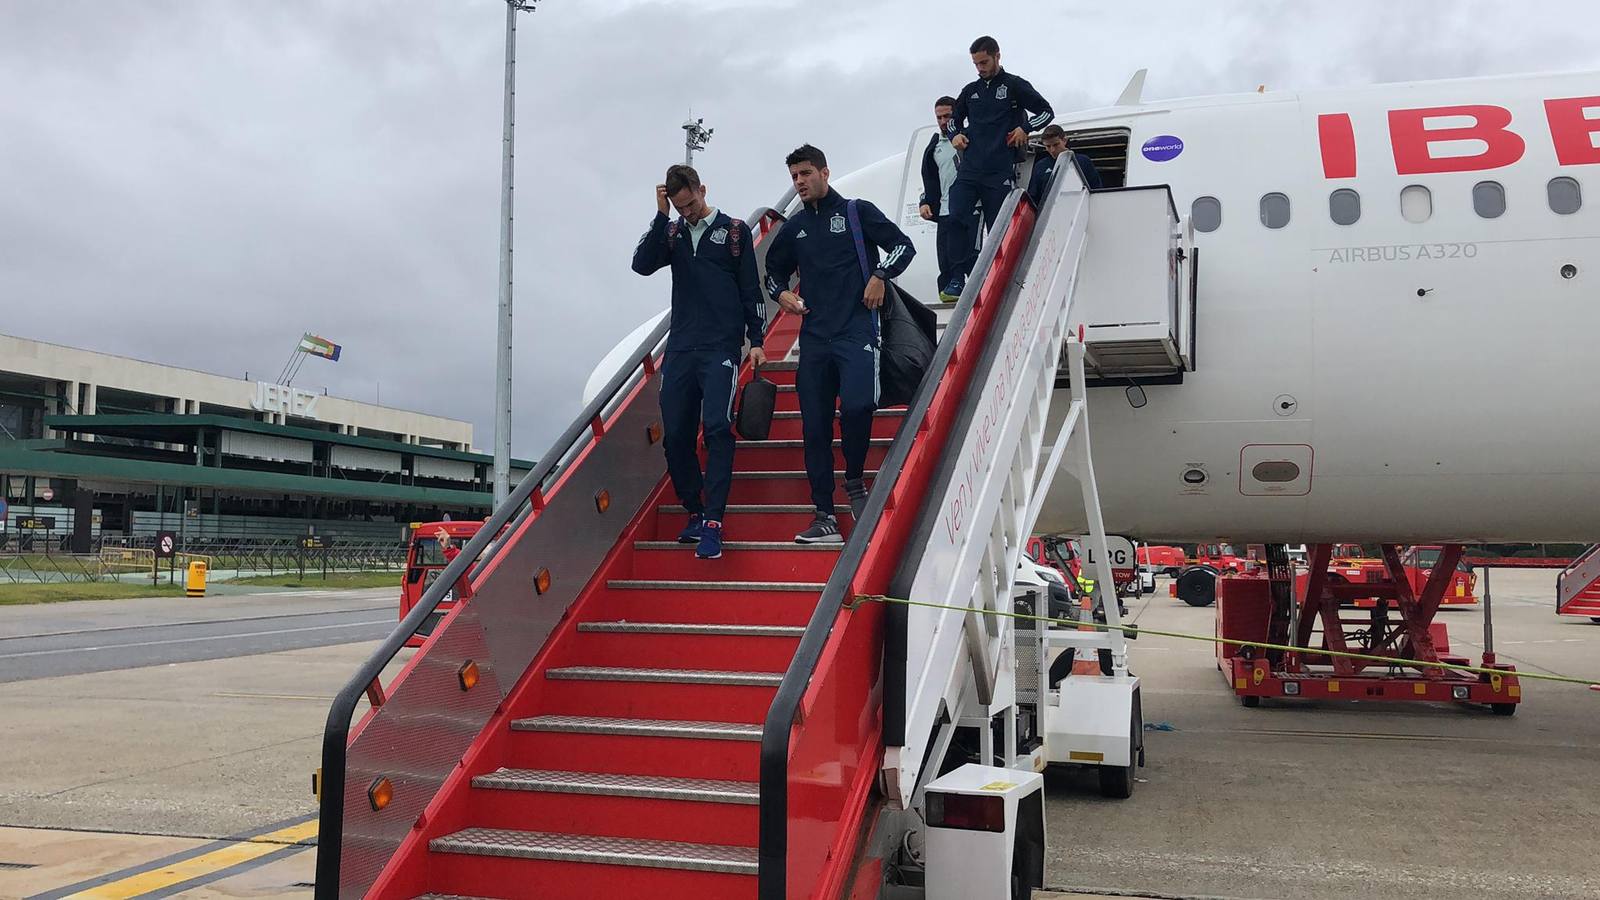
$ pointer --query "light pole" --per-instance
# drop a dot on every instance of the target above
(695, 137)
(502, 373)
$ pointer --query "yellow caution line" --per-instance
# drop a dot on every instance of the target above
(205, 864)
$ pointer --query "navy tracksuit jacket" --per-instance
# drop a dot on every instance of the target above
(1045, 166)
(716, 305)
(986, 112)
(839, 335)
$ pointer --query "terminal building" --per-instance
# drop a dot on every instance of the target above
(93, 444)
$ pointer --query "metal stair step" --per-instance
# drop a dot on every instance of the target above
(688, 628)
(667, 585)
(664, 676)
(669, 728)
(605, 784)
(795, 474)
(449, 897)
(737, 545)
(753, 509)
(602, 850)
(886, 411)
(782, 365)
(799, 443)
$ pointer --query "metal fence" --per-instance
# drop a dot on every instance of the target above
(38, 561)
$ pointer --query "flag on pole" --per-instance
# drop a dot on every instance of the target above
(322, 347)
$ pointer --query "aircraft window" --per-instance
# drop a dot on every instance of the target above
(1489, 199)
(1344, 206)
(1416, 203)
(1275, 210)
(1206, 214)
(1565, 196)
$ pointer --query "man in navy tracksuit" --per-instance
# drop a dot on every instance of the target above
(939, 163)
(839, 332)
(1055, 146)
(716, 305)
(993, 116)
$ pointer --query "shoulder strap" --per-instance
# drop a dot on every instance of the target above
(672, 234)
(855, 232)
(735, 235)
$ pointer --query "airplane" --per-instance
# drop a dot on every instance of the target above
(1399, 294)
(1375, 331)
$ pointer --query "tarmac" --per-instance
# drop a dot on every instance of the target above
(193, 778)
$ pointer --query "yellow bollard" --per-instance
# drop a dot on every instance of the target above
(195, 584)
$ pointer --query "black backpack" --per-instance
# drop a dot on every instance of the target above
(908, 332)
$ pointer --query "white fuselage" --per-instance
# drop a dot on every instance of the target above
(1436, 376)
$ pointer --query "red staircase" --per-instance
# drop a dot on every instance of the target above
(639, 722)
(1578, 586)
(625, 760)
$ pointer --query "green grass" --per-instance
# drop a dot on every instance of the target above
(21, 594)
(334, 581)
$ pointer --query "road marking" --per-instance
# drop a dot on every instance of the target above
(214, 637)
(205, 864)
(186, 623)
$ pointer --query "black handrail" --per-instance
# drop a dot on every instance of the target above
(336, 733)
(772, 855)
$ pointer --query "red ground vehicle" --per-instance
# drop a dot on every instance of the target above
(1066, 553)
(1418, 562)
(1221, 557)
(424, 562)
(1196, 583)
(1162, 560)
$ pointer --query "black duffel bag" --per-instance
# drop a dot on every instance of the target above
(908, 331)
(909, 334)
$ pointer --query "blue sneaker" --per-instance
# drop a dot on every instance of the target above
(951, 292)
(710, 540)
(691, 532)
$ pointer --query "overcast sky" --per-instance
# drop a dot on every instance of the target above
(197, 182)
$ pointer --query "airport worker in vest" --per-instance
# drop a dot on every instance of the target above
(716, 306)
(839, 330)
(992, 118)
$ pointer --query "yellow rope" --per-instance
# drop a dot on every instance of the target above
(1213, 639)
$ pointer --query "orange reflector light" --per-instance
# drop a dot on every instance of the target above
(602, 500)
(381, 792)
(541, 581)
(468, 675)
(966, 812)
(653, 433)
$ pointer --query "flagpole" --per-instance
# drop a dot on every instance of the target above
(502, 374)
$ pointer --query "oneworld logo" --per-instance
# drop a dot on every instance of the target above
(1162, 147)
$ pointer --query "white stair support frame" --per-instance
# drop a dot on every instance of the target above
(1105, 583)
(987, 508)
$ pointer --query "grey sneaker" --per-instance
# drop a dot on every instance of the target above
(856, 490)
(824, 530)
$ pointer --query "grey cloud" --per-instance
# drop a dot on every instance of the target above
(198, 183)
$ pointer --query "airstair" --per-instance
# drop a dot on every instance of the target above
(611, 716)
(1578, 586)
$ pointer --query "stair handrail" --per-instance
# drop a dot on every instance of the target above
(772, 853)
(523, 501)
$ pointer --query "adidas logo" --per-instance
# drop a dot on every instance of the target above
(801, 234)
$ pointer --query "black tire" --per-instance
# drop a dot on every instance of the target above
(1198, 587)
(1504, 709)
(1250, 702)
(1116, 782)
